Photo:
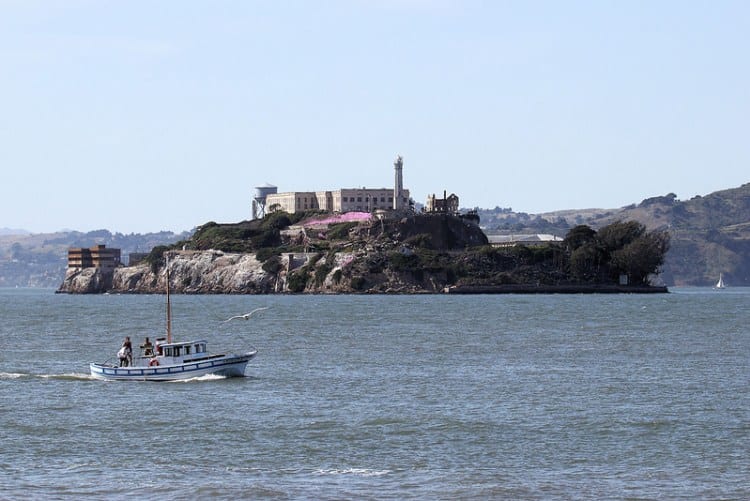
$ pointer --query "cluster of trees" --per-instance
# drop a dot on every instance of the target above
(621, 248)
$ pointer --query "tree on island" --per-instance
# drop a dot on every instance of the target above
(621, 248)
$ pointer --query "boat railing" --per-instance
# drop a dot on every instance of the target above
(109, 361)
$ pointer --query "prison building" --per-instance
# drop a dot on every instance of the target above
(342, 200)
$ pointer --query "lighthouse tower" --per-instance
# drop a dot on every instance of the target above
(398, 188)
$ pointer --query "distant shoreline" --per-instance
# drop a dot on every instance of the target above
(555, 289)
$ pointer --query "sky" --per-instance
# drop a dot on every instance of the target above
(139, 116)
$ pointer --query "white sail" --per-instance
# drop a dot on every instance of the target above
(720, 283)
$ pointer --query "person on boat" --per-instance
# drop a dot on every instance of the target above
(148, 348)
(128, 351)
(122, 354)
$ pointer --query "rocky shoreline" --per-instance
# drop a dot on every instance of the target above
(217, 272)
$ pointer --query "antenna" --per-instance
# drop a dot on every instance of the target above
(169, 304)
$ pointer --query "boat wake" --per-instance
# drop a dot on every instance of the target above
(62, 377)
(206, 377)
(68, 377)
(362, 472)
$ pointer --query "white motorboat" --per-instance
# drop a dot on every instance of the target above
(173, 361)
(169, 361)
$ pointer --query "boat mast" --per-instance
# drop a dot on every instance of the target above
(169, 305)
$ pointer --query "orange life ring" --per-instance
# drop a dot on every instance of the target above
(153, 362)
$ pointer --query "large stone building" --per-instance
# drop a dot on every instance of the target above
(94, 257)
(344, 199)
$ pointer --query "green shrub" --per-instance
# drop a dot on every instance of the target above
(272, 265)
(357, 283)
(321, 272)
(266, 253)
(403, 262)
(337, 276)
(422, 240)
(340, 231)
(297, 281)
(155, 258)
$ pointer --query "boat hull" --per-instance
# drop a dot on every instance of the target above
(226, 365)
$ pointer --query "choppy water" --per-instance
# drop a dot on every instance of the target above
(384, 397)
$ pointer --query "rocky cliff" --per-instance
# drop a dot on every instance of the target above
(217, 272)
(371, 256)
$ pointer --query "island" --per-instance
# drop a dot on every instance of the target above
(398, 252)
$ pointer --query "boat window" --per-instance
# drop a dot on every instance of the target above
(198, 348)
(168, 352)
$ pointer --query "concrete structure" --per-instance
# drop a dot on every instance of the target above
(94, 257)
(341, 200)
(528, 240)
(446, 205)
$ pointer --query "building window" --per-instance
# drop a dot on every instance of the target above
(382, 199)
(343, 199)
(359, 199)
(390, 199)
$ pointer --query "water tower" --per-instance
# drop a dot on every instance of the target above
(259, 200)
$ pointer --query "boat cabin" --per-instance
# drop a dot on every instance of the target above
(183, 350)
(174, 353)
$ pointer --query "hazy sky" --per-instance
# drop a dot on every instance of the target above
(140, 116)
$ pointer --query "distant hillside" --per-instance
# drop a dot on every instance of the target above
(39, 260)
(11, 231)
(709, 234)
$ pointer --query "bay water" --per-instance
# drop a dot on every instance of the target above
(384, 397)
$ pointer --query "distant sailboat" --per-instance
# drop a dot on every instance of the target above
(720, 283)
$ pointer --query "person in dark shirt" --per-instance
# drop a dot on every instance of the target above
(148, 348)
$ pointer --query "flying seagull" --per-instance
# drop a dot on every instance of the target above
(246, 316)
